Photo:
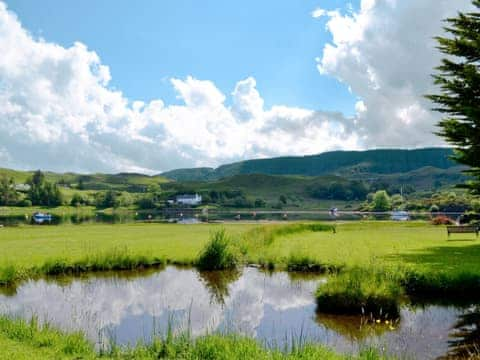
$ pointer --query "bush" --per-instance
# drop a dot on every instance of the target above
(217, 254)
(25, 203)
(381, 201)
(442, 220)
(146, 203)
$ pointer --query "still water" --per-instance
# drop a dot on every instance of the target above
(274, 308)
(195, 216)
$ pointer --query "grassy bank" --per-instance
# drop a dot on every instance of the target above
(381, 291)
(20, 339)
(361, 291)
(30, 251)
(416, 259)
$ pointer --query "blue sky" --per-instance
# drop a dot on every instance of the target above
(223, 41)
(150, 86)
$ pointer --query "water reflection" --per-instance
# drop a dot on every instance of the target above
(189, 216)
(275, 308)
(217, 282)
(465, 338)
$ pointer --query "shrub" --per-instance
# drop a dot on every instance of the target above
(361, 291)
(25, 203)
(442, 220)
(217, 254)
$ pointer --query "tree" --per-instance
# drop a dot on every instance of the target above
(108, 199)
(8, 195)
(43, 192)
(381, 201)
(397, 200)
(458, 78)
(260, 203)
(77, 200)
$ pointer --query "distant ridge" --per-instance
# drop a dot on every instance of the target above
(343, 163)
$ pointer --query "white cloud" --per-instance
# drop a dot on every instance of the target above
(385, 53)
(318, 13)
(58, 112)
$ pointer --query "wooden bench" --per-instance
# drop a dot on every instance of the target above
(463, 229)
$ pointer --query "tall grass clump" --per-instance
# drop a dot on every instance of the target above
(361, 291)
(304, 263)
(233, 347)
(218, 253)
(10, 274)
(33, 340)
(456, 286)
(32, 334)
(112, 260)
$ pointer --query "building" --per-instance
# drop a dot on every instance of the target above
(22, 187)
(189, 199)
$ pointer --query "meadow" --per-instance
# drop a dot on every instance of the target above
(413, 245)
(20, 339)
(373, 267)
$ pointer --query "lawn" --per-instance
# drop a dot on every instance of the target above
(26, 340)
(32, 245)
(382, 263)
(416, 244)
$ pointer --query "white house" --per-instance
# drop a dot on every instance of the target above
(22, 187)
(189, 199)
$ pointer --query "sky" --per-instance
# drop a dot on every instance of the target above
(111, 85)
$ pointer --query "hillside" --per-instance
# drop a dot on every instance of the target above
(123, 181)
(343, 163)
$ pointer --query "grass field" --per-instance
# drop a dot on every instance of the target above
(380, 264)
(415, 245)
(32, 245)
(27, 340)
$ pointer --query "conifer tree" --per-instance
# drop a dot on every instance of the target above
(458, 78)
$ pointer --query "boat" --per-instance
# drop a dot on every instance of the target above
(400, 215)
(40, 218)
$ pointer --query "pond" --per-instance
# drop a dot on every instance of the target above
(197, 216)
(275, 308)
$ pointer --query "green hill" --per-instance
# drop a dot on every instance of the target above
(123, 181)
(342, 163)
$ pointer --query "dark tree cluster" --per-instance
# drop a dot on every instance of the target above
(458, 78)
(355, 190)
(8, 195)
(42, 192)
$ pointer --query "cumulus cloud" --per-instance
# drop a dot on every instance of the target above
(58, 112)
(385, 53)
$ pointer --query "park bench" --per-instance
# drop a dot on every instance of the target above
(462, 229)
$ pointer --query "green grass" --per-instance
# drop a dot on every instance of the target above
(419, 257)
(218, 253)
(20, 339)
(362, 291)
(60, 210)
(33, 245)
(416, 245)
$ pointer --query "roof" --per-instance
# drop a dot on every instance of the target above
(188, 196)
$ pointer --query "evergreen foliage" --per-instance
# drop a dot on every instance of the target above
(42, 192)
(458, 78)
(8, 195)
